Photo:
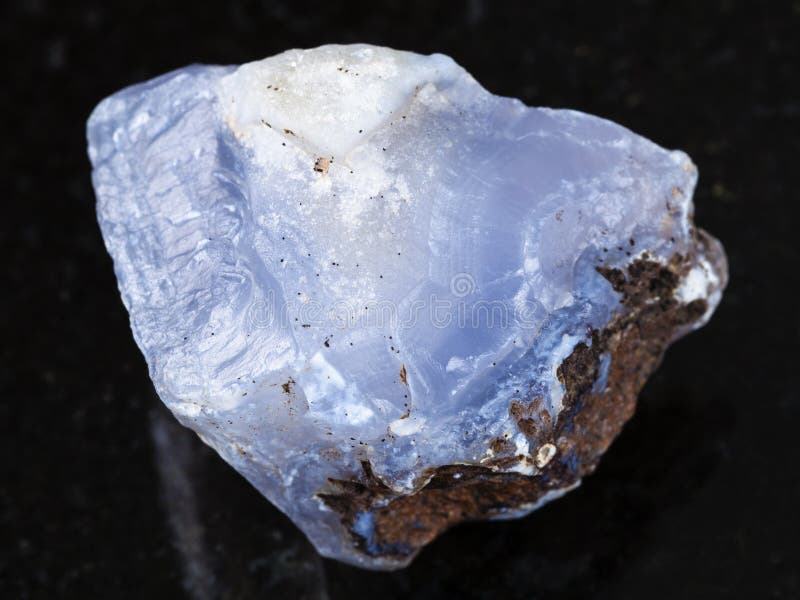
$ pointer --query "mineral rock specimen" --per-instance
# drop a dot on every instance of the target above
(390, 299)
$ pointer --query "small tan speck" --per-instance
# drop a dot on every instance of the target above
(322, 164)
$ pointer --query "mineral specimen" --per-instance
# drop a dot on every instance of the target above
(390, 299)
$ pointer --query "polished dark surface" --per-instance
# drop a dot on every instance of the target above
(102, 494)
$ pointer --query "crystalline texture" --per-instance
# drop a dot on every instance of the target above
(390, 299)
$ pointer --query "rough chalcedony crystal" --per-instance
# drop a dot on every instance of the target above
(390, 299)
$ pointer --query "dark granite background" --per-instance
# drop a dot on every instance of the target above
(102, 495)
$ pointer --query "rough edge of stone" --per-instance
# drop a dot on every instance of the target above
(651, 317)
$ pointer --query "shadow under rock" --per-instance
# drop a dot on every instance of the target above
(230, 541)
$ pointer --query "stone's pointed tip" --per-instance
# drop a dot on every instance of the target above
(388, 297)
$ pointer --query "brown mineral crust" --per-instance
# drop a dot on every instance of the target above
(636, 341)
(532, 417)
(590, 420)
(501, 446)
(455, 493)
